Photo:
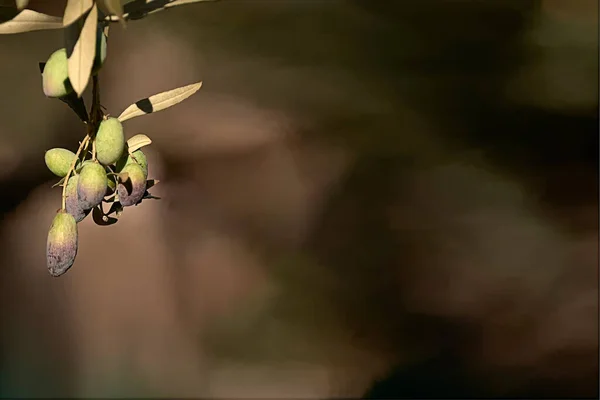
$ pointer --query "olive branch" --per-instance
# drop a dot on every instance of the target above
(115, 171)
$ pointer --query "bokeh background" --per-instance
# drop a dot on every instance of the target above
(366, 198)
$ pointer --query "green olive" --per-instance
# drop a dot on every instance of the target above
(59, 161)
(110, 141)
(55, 77)
(91, 186)
(138, 157)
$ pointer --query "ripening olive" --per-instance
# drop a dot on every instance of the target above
(59, 161)
(61, 246)
(55, 77)
(110, 141)
(91, 185)
(132, 190)
(140, 158)
(72, 203)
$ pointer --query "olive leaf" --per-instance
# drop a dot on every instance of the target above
(138, 9)
(28, 21)
(76, 104)
(114, 7)
(21, 4)
(81, 59)
(75, 9)
(182, 2)
(137, 142)
(159, 101)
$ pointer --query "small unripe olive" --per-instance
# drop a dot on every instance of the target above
(55, 77)
(59, 161)
(132, 191)
(110, 141)
(140, 158)
(61, 246)
(91, 185)
(72, 203)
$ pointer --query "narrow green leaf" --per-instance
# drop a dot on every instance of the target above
(28, 21)
(81, 60)
(21, 4)
(159, 101)
(137, 142)
(75, 9)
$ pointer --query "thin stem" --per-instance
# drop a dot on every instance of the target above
(71, 169)
(96, 109)
(95, 113)
(92, 127)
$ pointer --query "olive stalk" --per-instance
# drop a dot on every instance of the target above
(95, 118)
(71, 169)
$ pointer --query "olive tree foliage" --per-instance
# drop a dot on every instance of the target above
(107, 172)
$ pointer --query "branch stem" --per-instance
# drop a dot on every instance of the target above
(92, 127)
(71, 169)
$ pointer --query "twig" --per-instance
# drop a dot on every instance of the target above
(71, 169)
(96, 108)
(92, 127)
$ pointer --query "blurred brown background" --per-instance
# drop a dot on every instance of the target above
(363, 191)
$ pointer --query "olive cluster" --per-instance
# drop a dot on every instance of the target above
(106, 168)
(110, 173)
